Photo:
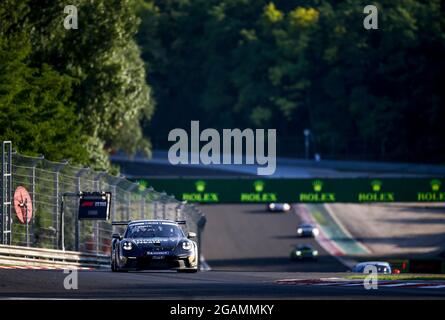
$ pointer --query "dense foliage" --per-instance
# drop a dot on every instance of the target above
(77, 94)
(299, 64)
(285, 64)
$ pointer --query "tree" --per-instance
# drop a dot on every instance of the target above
(36, 112)
(292, 65)
(110, 92)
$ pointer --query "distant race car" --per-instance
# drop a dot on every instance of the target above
(278, 207)
(307, 230)
(154, 244)
(302, 252)
(381, 266)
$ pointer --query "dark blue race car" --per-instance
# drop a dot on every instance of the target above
(154, 244)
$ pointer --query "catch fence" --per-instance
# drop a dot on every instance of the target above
(47, 182)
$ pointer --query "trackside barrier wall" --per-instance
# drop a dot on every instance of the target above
(23, 256)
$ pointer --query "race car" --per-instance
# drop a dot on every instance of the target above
(154, 244)
(307, 230)
(278, 207)
(302, 252)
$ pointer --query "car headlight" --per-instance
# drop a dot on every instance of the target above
(315, 253)
(127, 246)
(187, 245)
(272, 206)
(315, 232)
(286, 206)
(298, 253)
(299, 231)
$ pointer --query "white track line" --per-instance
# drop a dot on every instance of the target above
(432, 287)
(393, 285)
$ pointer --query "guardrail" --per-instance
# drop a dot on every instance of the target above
(25, 256)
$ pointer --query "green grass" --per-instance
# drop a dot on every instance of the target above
(402, 276)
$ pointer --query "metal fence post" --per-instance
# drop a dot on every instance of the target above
(6, 193)
(155, 208)
(56, 209)
(113, 183)
(129, 190)
(150, 194)
(144, 195)
(162, 198)
(34, 163)
(172, 200)
(163, 210)
(113, 201)
(96, 187)
(79, 175)
(57, 195)
(179, 209)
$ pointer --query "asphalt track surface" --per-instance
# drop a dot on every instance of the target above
(40, 284)
(247, 249)
(248, 238)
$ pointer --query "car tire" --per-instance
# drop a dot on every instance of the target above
(115, 267)
(112, 265)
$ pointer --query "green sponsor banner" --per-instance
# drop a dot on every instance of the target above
(316, 190)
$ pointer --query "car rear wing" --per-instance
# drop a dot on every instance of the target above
(120, 223)
(124, 223)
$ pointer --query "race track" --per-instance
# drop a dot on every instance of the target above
(247, 238)
(247, 249)
(38, 284)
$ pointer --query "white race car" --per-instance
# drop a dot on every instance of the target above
(278, 207)
(307, 230)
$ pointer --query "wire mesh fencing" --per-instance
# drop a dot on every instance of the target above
(47, 182)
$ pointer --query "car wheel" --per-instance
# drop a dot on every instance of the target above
(113, 263)
(116, 266)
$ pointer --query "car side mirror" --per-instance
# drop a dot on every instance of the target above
(116, 236)
(191, 235)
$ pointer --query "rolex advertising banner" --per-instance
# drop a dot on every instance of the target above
(316, 190)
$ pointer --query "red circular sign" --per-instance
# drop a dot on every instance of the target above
(22, 205)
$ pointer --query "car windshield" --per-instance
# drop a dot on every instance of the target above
(154, 231)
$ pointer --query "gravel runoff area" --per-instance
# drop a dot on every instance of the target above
(394, 229)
